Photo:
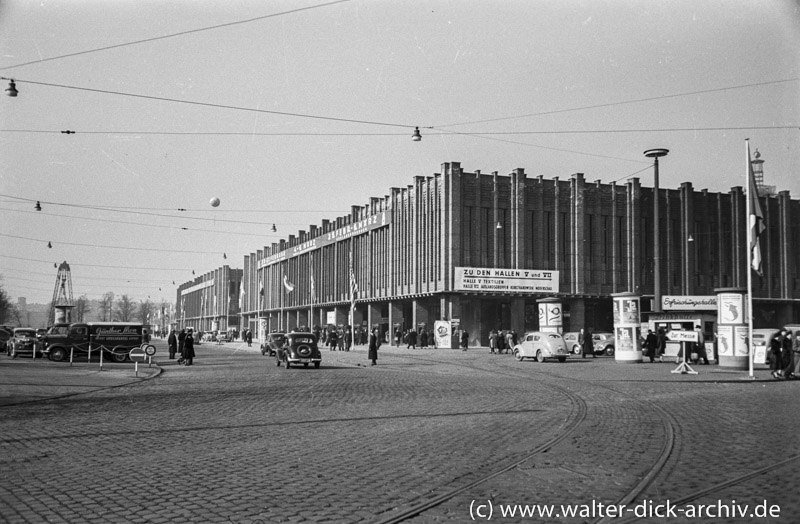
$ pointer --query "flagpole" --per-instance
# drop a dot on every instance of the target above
(749, 211)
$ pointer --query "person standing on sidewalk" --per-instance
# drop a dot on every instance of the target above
(374, 344)
(464, 340)
(492, 341)
(172, 341)
(188, 349)
(787, 355)
(651, 344)
(587, 344)
(181, 341)
(700, 345)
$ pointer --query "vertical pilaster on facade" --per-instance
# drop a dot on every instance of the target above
(578, 235)
(687, 221)
(738, 246)
(419, 233)
(394, 242)
(615, 284)
(496, 231)
(451, 221)
(784, 249)
(629, 233)
(721, 240)
(539, 248)
(450, 306)
(518, 222)
(395, 315)
(558, 264)
(419, 314)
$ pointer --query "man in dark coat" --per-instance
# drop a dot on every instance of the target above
(188, 349)
(181, 341)
(651, 345)
(412, 339)
(464, 340)
(374, 344)
(249, 338)
(172, 341)
(587, 344)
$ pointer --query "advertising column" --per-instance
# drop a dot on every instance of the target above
(732, 345)
(550, 315)
(627, 327)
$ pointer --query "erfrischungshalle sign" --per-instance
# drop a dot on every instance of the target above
(497, 280)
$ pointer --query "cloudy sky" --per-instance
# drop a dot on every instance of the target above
(290, 112)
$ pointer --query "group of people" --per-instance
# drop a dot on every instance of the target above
(785, 355)
(182, 344)
(502, 340)
(412, 338)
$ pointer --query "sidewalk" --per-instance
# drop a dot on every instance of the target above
(26, 380)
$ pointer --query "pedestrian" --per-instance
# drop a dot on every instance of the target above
(796, 355)
(492, 341)
(509, 341)
(586, 342)
(700, 346)
(188, 349)
(423, 338)
(249, 338)
(464, 340)
(172, 341)
(787, 355)
(776, 347)
(412, 339)
(333, 339)
(651, 344)
(181, 341)
(348, 339)
(374, 344)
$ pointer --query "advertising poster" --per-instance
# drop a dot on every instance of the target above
(616, 312)
(442, 332)
(625, 339)
(630, 311)
(731, 308)
(740, 346)
(725, 340)
(550, 315)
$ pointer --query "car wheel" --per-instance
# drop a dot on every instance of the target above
(518, 355)
(118, 356)
(576, 349)
(609, 351)
(58, 354)
(316, 365)
(539, 356)
(562, 359)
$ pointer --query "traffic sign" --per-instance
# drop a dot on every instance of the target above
(149, 349)
(677, 335)
(138, 355)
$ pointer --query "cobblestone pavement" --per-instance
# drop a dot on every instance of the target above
(426, 436)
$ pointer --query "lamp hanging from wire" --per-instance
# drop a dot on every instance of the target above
(49, 245)
(11, 90)
(274, 229)
(416, 137)
(499, 225)
(38, 206)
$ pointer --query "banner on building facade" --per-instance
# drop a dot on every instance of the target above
(359, 227)
(688, 302)
(497, 280)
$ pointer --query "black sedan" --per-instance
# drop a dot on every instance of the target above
(299, 348)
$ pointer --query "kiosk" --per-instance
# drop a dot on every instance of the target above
(685, 313)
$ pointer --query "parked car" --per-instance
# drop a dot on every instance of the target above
(299, 348)
(604, 344)
(541, 345)
(272, 343)
(23, 341)
(571, 339)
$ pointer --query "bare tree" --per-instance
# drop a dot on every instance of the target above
(82, 308)
(107, 306)
(145, 313)
(125, 309)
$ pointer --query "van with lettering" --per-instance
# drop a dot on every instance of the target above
(115, 339)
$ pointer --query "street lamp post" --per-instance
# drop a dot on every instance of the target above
(655, 154)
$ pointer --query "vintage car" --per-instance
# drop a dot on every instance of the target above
(23, 342)
(604, 344)
(571, 339)
(299, 348)
(541, 345)
(272, 343)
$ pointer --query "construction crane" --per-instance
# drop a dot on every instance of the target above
(62, 303)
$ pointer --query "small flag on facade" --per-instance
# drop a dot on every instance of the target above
(353, 283)
(288, 285)
(260, 287)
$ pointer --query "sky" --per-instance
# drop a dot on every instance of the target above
(290, 112)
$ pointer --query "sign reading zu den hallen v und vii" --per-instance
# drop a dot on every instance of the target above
(497, 280)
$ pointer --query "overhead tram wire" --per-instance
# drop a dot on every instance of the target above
(182, 269)
(623, 102)
(174, 35)
(106, 246)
